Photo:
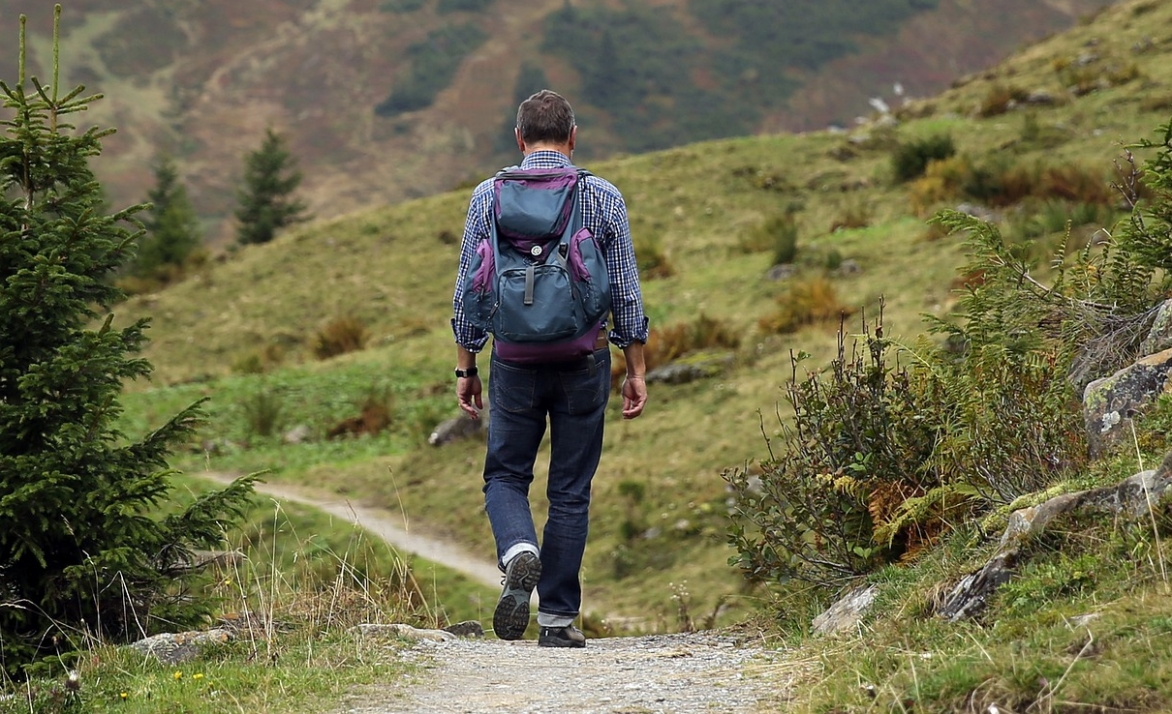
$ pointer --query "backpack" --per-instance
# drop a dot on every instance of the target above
(538, 283)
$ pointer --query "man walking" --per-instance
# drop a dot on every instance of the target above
(571, 394)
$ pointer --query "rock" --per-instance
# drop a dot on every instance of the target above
(406, 632)
(459, 428)
(297, 435)
(847, 612)
(968, 597)
(1040, 97)
(850, 266)
(468, 628)
(172, 649)
(1109, 403)
(1131, 499)
(691, 368)
(782, 271)
(1160, 336)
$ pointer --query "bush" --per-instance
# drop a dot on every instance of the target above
(880, 459)
(909, 160)
(679, 340)
(339, 336)
(807, 302)
(1000, 99)
(855, 452)
(262, 412)
(778, 234)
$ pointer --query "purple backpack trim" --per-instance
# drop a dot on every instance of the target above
(547, 353)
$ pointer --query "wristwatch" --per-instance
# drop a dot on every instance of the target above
(470, 372)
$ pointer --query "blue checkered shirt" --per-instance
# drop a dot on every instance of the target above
(604, 213)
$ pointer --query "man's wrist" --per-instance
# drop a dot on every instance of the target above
(467, 371)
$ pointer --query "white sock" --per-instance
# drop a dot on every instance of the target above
(544, 620)
(517, 550)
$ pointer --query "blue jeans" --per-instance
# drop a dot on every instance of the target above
(573, 397)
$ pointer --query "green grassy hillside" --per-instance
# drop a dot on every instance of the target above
(242, 332)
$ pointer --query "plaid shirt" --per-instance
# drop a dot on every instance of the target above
(605, 213)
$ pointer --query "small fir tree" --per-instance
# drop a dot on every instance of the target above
(172, 229)
(266, 201)
(91, 544)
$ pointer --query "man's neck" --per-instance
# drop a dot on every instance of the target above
(563, 149)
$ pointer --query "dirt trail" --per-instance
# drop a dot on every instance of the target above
(656, 674)
(380, 523)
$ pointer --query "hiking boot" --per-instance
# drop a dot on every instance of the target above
(568, 636)
(511, 616)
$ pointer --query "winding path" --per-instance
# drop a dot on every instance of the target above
(653, 674)
(380, 523)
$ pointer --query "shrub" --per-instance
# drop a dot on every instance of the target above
(262, 411)
(807, 302)
(683, 338)
(375, 415)
(909, 160)
(778, 234)
(880, 459)
(1000, 99)
(856, 450)
(339, 336)
(855, 214)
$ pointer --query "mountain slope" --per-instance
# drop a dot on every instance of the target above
(385, 100)
(243, 331)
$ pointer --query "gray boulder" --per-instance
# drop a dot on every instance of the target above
(1110, 403)
(1130, 499)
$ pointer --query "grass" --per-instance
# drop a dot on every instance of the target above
(303, 581)
(389, 269)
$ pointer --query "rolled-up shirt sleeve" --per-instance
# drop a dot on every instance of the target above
(476, 229)
(626, 297)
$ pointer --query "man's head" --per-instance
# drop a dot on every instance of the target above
(546, 120)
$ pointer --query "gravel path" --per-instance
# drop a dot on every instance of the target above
(668, 674)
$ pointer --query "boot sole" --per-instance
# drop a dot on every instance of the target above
(511, 617)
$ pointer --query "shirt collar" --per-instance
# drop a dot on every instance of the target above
(545, 159)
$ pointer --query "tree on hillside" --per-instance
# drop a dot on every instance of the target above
(172, 229)
(266, 201)
(91, 543)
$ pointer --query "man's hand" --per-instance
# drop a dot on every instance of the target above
(634, 396)
(468, 393)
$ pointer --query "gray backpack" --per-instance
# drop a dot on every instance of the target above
(538, 284)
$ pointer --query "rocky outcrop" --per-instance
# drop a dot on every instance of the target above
(1130, 499)
(700, 365)
(173, 649)
(1109, 404)
(847, 613)
(459, 428)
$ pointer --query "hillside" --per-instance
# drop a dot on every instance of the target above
(243, 332)
(386, 100)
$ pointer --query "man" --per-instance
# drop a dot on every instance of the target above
(571, 395)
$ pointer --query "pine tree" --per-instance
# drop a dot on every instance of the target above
(266, 201)
(172, 229)
(89, 543)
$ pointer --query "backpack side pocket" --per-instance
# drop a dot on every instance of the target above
(587, 264)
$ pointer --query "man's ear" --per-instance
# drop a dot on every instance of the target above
(573, 137)
(520, 141)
